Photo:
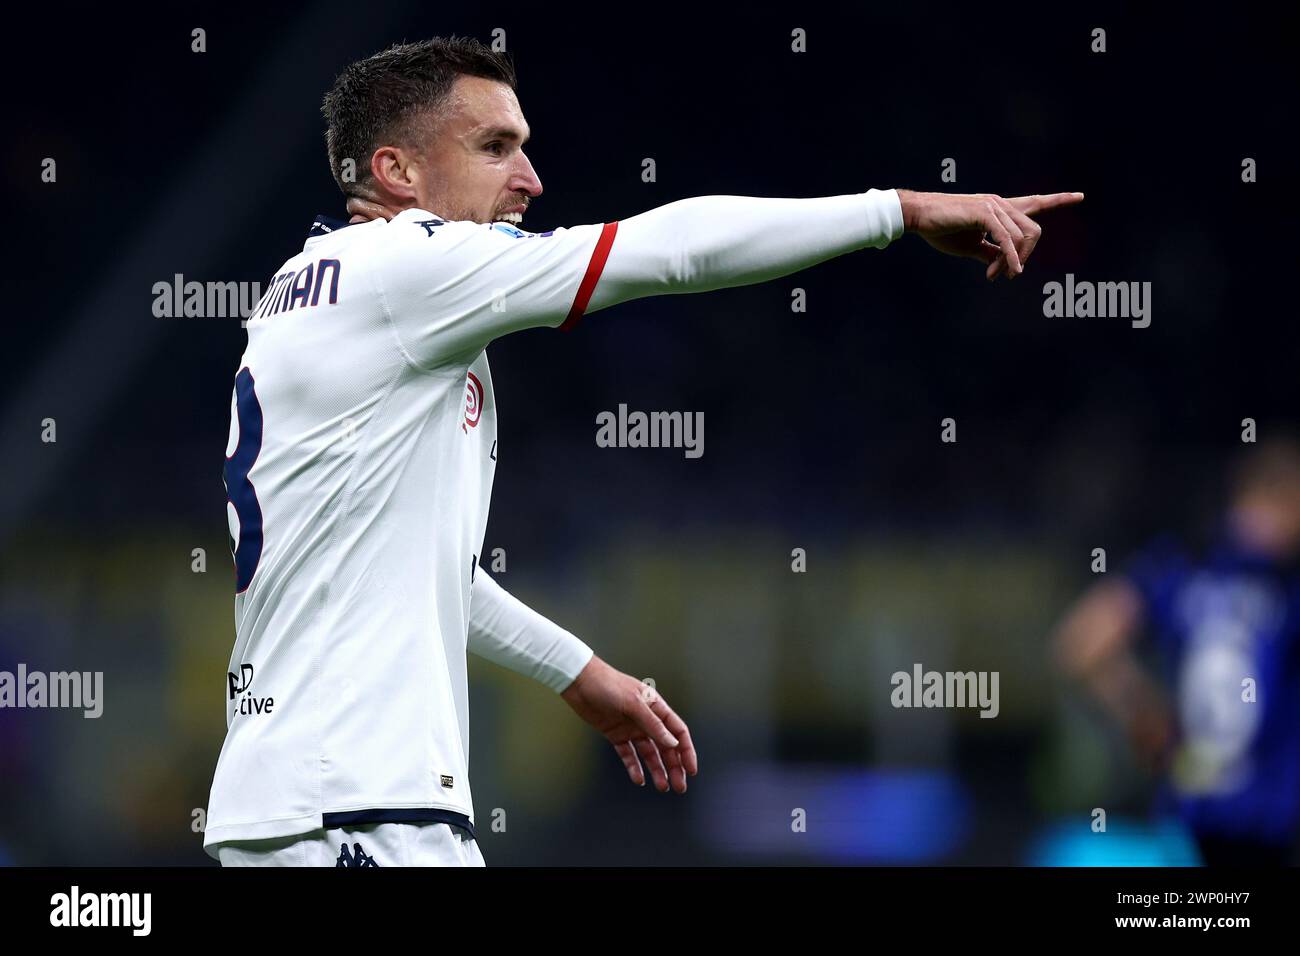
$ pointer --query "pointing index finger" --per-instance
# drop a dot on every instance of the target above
(1034, 204)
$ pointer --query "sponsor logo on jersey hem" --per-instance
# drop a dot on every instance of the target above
(248, 706)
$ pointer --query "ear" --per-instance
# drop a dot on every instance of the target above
(394, 174)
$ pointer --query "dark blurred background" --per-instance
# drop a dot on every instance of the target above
(822, 429)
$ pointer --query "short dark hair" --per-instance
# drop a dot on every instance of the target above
(390, 97)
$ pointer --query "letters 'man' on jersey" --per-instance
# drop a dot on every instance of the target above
(359, 469)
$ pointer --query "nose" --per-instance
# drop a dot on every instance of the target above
(525, 179)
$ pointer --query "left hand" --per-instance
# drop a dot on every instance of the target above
(637, 721)
(956, 224)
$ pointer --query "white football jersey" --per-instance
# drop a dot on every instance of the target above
(359, 469)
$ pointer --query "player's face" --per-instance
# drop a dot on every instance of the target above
(475, 168)
(1269, 520)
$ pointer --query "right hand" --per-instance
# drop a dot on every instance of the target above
(638, 722)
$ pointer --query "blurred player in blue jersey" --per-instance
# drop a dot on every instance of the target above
(1221, 719)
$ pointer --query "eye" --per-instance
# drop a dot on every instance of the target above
(495, 148)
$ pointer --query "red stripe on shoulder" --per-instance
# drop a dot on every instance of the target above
(594, 268)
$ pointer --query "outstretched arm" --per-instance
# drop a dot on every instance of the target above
(716, 242)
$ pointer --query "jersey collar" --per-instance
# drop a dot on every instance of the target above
(323, 225)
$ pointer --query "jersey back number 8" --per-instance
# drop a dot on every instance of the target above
(243, 512)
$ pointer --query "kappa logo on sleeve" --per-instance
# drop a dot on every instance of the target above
(520, 233)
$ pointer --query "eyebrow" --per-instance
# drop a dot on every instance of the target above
(503, 132)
